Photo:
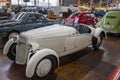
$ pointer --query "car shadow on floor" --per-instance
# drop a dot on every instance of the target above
(83, 65)
(16, 72)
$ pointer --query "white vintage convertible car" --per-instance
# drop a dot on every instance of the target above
(41, 48)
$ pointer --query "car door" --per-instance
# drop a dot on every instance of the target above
(83, 39)
(70, 42)
(78, 38)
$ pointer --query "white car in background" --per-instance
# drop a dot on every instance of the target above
(41, 48)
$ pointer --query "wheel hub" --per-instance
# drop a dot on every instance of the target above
(44, 67)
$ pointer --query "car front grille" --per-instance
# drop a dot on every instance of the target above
(21, 51)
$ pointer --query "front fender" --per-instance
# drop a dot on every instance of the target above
(35, 46)
(98, 31)
(31, 65)
(7, 46)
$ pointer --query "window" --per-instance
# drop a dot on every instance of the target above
(92, 15)
(42, 18)
(19, 16)
(75, 14)
(37, 17)
(16, 16)
(112, 17)
(83, 29)
(86, 15)
(32, 18)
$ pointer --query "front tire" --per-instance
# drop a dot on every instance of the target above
(12, 52)
(45, 68)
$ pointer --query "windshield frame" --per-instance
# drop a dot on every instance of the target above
(19, 17)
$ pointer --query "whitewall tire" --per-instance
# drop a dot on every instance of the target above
(45, 68)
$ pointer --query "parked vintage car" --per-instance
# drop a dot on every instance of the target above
(41, 48)
(82, 17)
(22, 22)
(111, 22)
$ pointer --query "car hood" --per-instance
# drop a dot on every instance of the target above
(4, 23)
(48, 32)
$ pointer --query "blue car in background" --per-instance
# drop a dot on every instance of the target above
(100, 13)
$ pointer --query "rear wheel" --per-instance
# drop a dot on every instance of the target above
(12, 52)
(97, 42)
(45, 68)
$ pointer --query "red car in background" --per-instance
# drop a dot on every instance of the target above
(115, 74)
(81, 17)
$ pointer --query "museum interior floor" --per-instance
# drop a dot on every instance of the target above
(83, 65)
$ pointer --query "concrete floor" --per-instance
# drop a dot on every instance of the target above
(83, 65)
